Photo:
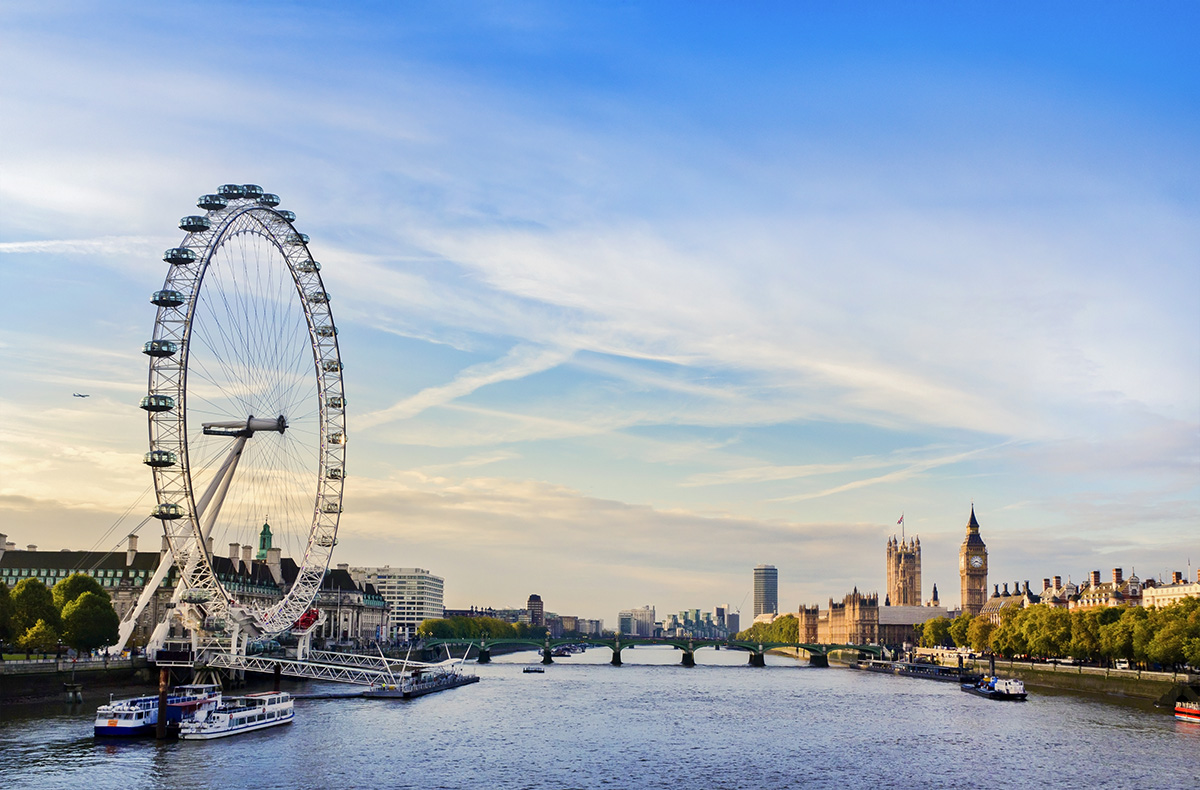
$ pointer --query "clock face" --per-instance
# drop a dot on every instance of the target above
(977, 561)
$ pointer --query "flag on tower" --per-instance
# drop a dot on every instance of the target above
(901, 521)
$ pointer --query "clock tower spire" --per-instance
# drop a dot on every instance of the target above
(972, 568)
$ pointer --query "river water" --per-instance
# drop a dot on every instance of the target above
(648, 724)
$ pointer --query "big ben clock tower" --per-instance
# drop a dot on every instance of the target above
(972, 568)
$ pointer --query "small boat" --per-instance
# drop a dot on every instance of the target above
(532, 670)
(236, 715)
(997, 688)
(139, 715)
(1188, 711)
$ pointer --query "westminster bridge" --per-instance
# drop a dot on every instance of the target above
(818, 654)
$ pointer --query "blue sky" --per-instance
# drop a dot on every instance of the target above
(635, 296)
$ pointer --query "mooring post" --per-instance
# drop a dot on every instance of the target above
(278, 673)
(164, 680)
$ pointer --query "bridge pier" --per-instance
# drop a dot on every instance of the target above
(485, 657)
(689, 658)
(616, 658)
(818, 660)
(758, 659)
(546, 657)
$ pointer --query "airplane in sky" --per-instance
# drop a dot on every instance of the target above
(77, 395)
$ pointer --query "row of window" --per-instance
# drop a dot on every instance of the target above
(59, 572)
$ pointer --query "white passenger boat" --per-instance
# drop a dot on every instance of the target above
(236, 715)
(139, 715)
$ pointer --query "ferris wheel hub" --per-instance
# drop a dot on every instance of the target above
(246, 428)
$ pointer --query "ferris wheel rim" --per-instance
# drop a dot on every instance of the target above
(170, 351)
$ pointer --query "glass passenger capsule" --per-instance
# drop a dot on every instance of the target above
(337, 437)
(335, 402)
(194, 224)
(212, 202)
(335, 473)
(179, 255)
(156, 403)
(331, 366)
(232, 191)
(167, 298)
(268, 199)
(252, 191)
(308, 267)
(167, 511)
(326, 331)
(195, 596)
(290, 216)
(318, 297)
(325, 540)
(332, 507)
(159, 348)
(297, 238)
(159, 458)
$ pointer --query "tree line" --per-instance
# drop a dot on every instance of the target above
(1168, 636)
(785, 628)
(478, 627)
(77, 611)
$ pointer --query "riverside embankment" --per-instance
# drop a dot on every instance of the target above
(23, 681)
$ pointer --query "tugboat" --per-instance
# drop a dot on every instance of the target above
(1188, 711)
(997, 688)
(139, 716)
(240, 714)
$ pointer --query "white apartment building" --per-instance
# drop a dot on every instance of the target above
(413, 595)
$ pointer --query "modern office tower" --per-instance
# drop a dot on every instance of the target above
(766, 590)
(636, 622)
(413, 595)
(537, 612)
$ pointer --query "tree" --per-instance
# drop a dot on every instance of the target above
(785, 628)
(6, 629)
(1008, 639)
(90, 622)
(32, 601)
(1085, 633)
(1047, 631)
(936, 632)
(980, 634)
(39, 638)
(959, 629)
(73, 586)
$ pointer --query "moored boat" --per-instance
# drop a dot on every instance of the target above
(997, 688)
(1188, 711)
(139, 715)
(422, 681)
(236, 715)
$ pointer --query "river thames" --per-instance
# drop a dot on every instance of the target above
(648, 724)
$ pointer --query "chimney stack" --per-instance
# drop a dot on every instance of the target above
(1058, 582)
(234, 548)
(131, 552)
(1117, 576)
(1045, 585)
(275, 563)
(1094, 578)
(3, 544)
(31, 547)
(1006, 588)
(247, 555)
(1176, 577)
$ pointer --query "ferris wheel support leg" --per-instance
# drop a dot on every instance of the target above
(131, 616)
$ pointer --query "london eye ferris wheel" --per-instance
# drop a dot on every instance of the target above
(246, 412)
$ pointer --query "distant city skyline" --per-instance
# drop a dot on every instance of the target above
(633, 297)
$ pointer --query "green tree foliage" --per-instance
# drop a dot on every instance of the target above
(980, 634)
(785, 628)
(39, 638)
(6, 613)
(89, 622)
(1085, 634)
(73, 586)
(959, 628)
(1009, 639)
(476, 627)
(936, 632)
(1047, 630)
(31, 602)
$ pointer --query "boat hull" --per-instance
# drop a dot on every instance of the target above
(1190, 712)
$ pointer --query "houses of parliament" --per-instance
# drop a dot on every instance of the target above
(859, 618)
